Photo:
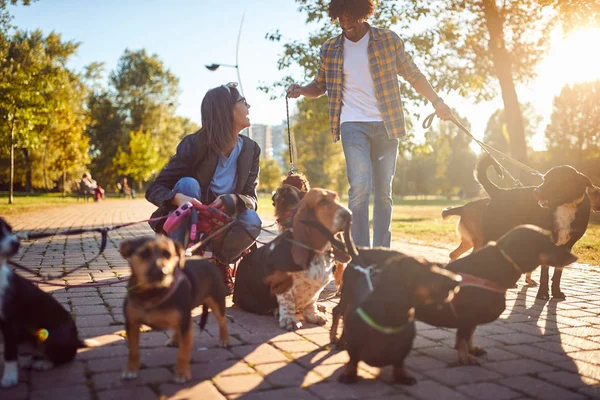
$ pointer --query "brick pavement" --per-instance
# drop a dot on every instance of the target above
(546, 350)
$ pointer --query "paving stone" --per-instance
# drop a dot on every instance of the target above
(60, 376)
(203, 390)
(488, 391)
(137, 392)
(261, 354)
(73, 392)
(538, 388)
(280, 394)
(296, 346)
(241, 383)
(462, 375)
(363, 389)
(428, 390)
(567, 379)
(518, 367)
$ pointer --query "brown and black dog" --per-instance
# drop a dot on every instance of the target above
(487, 274)
(297, 264)
(380, 329)
(163, 290)
(560, 204)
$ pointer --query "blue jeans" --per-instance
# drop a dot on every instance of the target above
(371, 164)
(230, 245)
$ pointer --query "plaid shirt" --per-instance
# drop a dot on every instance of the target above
(387, 59)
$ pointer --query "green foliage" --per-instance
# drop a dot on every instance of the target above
(320, 159)
(141, 160)
(140, 98)
(496, 132)
(270, 175)
(572, 135)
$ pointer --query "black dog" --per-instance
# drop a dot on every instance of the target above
(486, 275)
(28, 315)
(379, 330)
(560, 204)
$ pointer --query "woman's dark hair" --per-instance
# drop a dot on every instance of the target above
(217, 118)
(356, 9)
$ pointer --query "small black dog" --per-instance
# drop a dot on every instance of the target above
(380, 330)
(28, 315)
(487, 274)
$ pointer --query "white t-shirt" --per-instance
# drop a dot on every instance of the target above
(358, 92)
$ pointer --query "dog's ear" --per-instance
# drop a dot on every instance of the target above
(128, 247)
(279, 282)
(304, 233)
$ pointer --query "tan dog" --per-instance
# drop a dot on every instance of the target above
(313, 252)
(162, 291)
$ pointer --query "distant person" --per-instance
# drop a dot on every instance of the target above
(125, 189)
(219, 167)
(359, 72)
(89, 187)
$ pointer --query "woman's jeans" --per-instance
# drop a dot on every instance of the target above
(232, 243)
(371, 164)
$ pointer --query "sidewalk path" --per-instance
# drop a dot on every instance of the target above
(543, 350)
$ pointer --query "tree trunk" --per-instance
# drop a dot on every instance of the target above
(64, 183)
(44, 167)
(28, 171)
(503, 67)
(12, 162)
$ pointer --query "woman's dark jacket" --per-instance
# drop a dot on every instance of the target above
(195, 159)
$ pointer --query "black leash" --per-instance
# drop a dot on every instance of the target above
(488, 149)
(291, 141)
(104, 240)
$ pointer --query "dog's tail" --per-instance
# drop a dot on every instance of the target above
(450, 211)
(203, 317)
(482, 178)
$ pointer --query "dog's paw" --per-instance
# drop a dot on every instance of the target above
(128, 375)
(557, 294)
(183, 376)
(41, 365)
(290, 323)
(316, 318)
(542, 295)
(11, 374)
(530, 282)
(172, 342)
(477, 351)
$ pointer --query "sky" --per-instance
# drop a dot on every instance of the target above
(188, 34)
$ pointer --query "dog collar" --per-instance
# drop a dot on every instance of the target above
(511, 261)
(475, 281)
(388, 330)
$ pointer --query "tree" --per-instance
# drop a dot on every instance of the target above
(270, 174)
(141, 97)
(469, 47)
(141, 160)
(574, 129)
(496, 131)
(318, 158)
(32, 77)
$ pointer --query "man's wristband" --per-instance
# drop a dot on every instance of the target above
(436, 102)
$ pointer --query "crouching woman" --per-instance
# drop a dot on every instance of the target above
(215, 166)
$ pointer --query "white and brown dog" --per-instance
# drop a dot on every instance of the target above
(304, 254)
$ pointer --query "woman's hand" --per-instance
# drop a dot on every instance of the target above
(180, 199)
(219, 204)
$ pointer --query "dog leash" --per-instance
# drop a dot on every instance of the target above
(291, 139)
(103, 242)
(488, 149)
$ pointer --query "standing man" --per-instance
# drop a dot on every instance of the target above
(358, 71)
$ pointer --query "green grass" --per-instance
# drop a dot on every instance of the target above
(420, 221)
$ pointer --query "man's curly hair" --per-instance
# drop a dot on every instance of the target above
(356, 9)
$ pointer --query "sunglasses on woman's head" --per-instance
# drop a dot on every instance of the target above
(230, 85)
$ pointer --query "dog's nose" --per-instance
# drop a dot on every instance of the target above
(155, 273)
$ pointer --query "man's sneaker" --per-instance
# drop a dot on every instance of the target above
(227, 276)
